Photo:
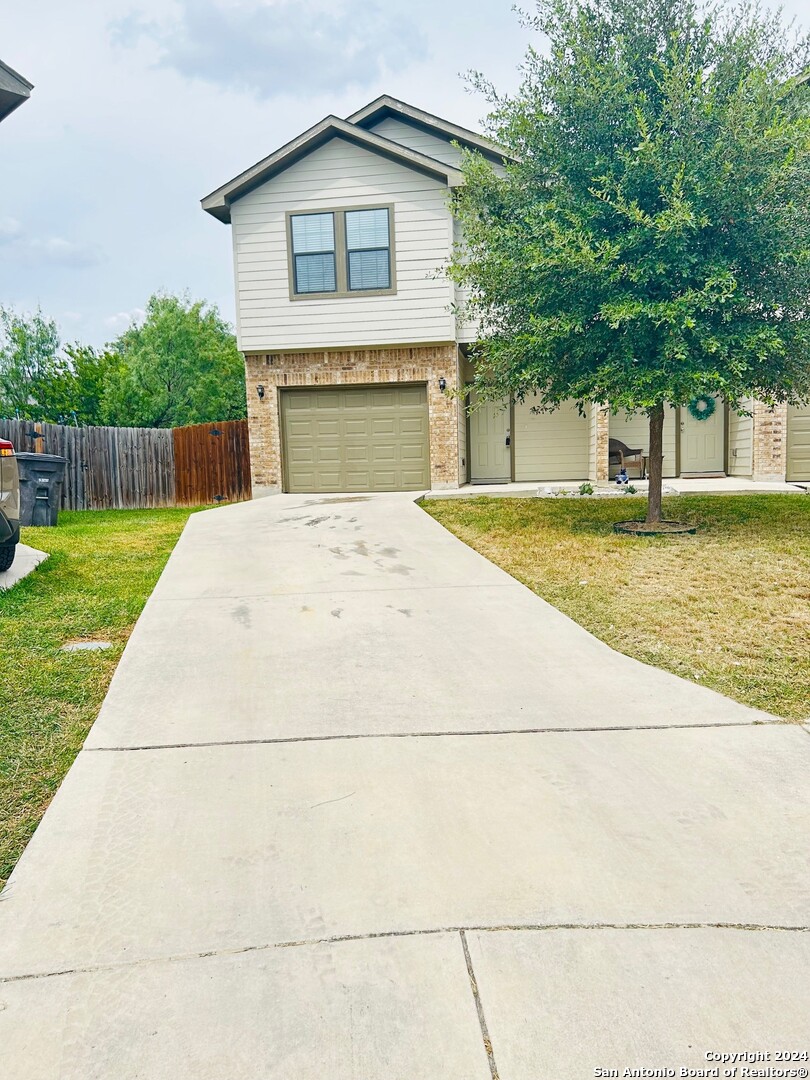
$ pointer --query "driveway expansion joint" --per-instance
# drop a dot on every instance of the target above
(339, 939)
(439, 735)
(479, 1007)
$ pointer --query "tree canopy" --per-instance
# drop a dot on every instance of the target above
(179, 366)
(650, 243)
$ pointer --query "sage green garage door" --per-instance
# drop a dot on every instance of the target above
(798, 443)
(358, 438)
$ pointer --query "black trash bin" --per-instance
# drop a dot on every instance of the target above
(41, 478)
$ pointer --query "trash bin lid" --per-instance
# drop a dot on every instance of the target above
(42, 459)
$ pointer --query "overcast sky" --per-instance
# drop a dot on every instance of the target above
(141, 107)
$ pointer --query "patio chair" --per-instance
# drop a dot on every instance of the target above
(619, 454)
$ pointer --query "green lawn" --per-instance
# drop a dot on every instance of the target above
(101, 569)
(728, 607)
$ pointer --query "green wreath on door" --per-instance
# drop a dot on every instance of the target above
(702, 407)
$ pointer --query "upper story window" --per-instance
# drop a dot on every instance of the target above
(313, 245)
(341, 253)
(368, 249)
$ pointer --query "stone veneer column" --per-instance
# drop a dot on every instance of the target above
(416, 364)
(769, 436)
(600, 434)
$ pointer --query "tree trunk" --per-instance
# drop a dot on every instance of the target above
(655, 464)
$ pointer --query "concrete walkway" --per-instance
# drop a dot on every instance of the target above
(26, 560)
(359, 806)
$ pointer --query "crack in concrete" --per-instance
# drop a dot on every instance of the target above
(338, 939)
(438, 735)
(479, 1007)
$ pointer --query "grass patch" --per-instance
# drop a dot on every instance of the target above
(728, 608)
(102, 566)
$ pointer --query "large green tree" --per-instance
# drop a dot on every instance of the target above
(179, 366)
(651, 242)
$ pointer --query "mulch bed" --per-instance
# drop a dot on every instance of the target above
(660, 528)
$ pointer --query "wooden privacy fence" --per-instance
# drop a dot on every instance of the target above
(111, 468)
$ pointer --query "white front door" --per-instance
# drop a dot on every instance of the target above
(490, 456)
(703, 444)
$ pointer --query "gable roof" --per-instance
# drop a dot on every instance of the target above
(14, 90)
(387, 106)
(218, 203)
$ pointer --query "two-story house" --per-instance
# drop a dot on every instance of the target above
(354, 336)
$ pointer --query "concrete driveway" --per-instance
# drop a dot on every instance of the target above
(359, 806)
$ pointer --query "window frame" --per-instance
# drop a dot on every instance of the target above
(342, 292)
(294, 255)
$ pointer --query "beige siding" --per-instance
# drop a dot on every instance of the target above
(436, 147)
(633, 429)
(466, 327)
(422, 141)
(740, 443)
(340, 174)
(798, 442)
(551, 446)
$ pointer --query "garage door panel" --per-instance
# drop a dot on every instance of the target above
(412, 425)
(357, 426)
(410, 478)
(357, 455)
(302, 456)
(355, 439)
(412, 395)
(386, 479)
(798, 443)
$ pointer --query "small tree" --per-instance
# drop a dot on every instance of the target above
(651, 243)
(180, 366)
(29, 360)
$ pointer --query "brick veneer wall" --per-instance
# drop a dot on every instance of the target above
(769, 442)
(416, 364)
(600, 438)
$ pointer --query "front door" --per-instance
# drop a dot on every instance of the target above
(490, 456)
(703, 444)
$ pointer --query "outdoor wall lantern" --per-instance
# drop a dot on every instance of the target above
(442, 384)
(260, 391)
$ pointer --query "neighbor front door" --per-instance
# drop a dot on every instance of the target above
(703, 447)
(490, 456)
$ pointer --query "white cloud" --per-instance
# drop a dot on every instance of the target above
(46, 250)
(10, 229)
(299, 48)
(58, 251)
(122, 320)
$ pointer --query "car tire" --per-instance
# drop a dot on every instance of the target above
(7, 552)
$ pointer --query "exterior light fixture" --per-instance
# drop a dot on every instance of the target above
(260, 391)
(442, 384)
